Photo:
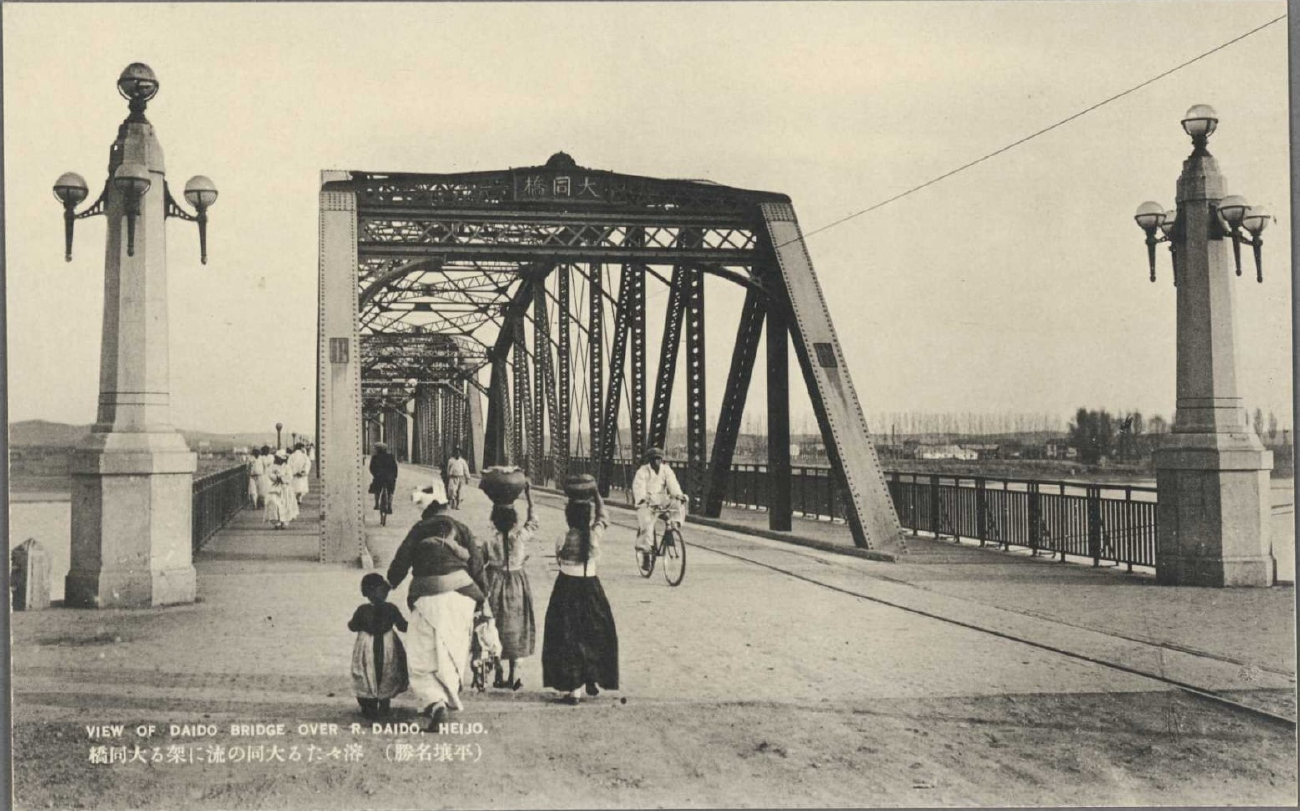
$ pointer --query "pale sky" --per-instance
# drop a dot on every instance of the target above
(1020, 284)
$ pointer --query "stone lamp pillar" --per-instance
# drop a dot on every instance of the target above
(133, 476)
(1212, 473)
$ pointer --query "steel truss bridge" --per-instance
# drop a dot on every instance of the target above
(505, 312)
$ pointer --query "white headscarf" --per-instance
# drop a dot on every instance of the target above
(428, 495)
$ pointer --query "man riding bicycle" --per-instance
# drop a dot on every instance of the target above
(653, 488)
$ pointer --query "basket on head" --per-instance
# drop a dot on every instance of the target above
(580, 486)
(503, 484)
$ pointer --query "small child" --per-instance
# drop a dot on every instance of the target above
(378, 658)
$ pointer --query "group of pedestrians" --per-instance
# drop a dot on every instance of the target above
(460, 586)
(278, 481)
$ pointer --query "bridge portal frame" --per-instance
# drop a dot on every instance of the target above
(404, 257)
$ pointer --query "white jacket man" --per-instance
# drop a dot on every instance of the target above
(655, 485)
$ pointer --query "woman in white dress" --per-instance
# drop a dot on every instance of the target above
(281, 504)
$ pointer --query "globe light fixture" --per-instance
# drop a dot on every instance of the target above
(1200, 122)
(137, 82)
(133, 181)
(1234, 218)
(137, 85)
(1149, 217)
(70, 189)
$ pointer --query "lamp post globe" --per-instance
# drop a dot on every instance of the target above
(1200, 122)
(1256, 220)
(1149, 215)
(278, 427)
(200, 192)
(137, 82)
(1167, 224)
(70, 188)
(1233, 209)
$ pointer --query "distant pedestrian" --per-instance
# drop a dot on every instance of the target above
(281, 506)
(378, 658)
(264, 475)
(509, 593)
(383, 473)
(580, 643)
(456, 470)
(300, 467)
(256, 469)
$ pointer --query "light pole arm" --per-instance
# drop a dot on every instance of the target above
(70, 215)
(173, 209)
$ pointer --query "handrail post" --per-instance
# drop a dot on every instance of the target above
(1035, 528)
(1094, 524)
(981, 510)
(934, 505)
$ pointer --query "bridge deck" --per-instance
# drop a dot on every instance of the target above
(767, 659)
(249, 543)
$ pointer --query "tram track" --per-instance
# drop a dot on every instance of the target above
(1207, 696)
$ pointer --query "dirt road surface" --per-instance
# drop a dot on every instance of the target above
(745, 686)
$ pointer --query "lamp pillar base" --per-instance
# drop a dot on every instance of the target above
(1214, 511)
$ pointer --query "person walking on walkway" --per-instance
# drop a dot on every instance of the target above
(509, 592)
(300, 467)
(580, 642)
(447, 589)
(281, 506)
(383, 472)
(654, 486)
(264, 475)
(457, 472)
(256, 470)
(378, 657)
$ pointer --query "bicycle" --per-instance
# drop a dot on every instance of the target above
(668, 544)
(385, 499)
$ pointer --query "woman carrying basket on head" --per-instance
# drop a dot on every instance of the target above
(580, 642)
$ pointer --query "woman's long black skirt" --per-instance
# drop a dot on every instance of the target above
(580, 643)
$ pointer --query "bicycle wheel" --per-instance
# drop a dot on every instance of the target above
(674, 555)
(646, 565)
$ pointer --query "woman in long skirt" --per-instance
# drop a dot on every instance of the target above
(447, 585)
(256, 466)
(264, 476)
(509, 592)
(281, 506)
(580, 646)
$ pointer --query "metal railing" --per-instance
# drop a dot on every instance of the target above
(218, 497)
(1104, 522)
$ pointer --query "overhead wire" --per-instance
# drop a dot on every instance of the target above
(1034, 135)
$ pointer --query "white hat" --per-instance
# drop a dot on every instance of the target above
(428, 495)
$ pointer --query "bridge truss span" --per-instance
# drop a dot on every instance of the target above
(506, 313)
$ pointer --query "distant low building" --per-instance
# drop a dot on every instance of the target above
(947, 452)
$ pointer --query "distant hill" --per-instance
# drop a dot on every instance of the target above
(43, 434)
(39, 433)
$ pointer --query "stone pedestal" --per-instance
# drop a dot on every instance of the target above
(131, 522)
(1214, 511)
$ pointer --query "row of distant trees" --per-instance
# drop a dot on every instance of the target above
(1097, 434)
